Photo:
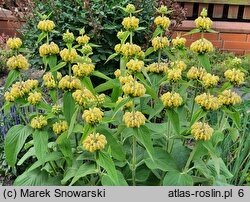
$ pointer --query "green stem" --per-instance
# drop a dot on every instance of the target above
(190, 159)
(131, 37)
(195, 93)
(69, 65)
(52, 167)
(222, 121)
(134, 162)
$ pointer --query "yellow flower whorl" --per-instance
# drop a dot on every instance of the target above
(127, 105)
(68, 56)
(117, 73)
(174, 75)
(94, 142)
(209, 80)
(68, 37)
(201, 131)
(60, 127)
(135, 65)
(69, 83)
(234, 76)
(208, 102)
(196, 73)
(14, 43)
(178, 65)
(179, 42)
(203, 23)
(83, 69)
(134, 119)
(48, 49)
(160, 43)
(129, 50)
(49, 80)
(93, 115)
(18, 62)
(172, 99)
(82, 40)
(202, 46)
(34, 98)
(130, 23)
(46, 25)
(162, 21)
(157, 68)
(134, 89)
(56, 109)
(227, 97)
(39, 122)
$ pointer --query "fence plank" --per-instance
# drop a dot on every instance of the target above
(190, 8)
(246, 14)
(218, 11)
(233, 12)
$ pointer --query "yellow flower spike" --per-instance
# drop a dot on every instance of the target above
(201, 131)
(94, 142)
(227, 97)
(14, 43)
(160, 43)
(130, 23)
(46, 25)
(134, 119)
(158, 68)
(34, 98)
(209, 80)
(83, 69)
(18, 62)
(93, 115)
(201, 46)
(60, 127)
(171, 99)
(208, 102)
(174, 75)
(82, 40)
(234, 76)
(135, 65)
(68, 56)
(162, 21)
(39, 122)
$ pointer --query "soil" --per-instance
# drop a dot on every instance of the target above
(6, 181)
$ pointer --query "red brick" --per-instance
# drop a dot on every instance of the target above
(217, 44)
(208, 36)
(10, 32)
(233, 37)
(247, 52)
(189, 41)
(236, 45)
(248, 37)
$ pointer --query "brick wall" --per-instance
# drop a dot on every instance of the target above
(232, 37)
(8, 23)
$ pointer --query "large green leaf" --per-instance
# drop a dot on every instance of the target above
(175, 178)
(65, 147)
(117, 151)
(100, 75)
(40, 138)
(161, 160)
(14, 142)
(88, 84)
(36, 178)
(71, 171)
(202, 168)
(84, 170)
(73, 121)
(58, 66)
(234, 115)
(205, 63)
(52, 60)
(143, 136)
(107, 181)
(174, 118)
(12, 76)
(68, 106)
(29, 153)
(105, 161)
